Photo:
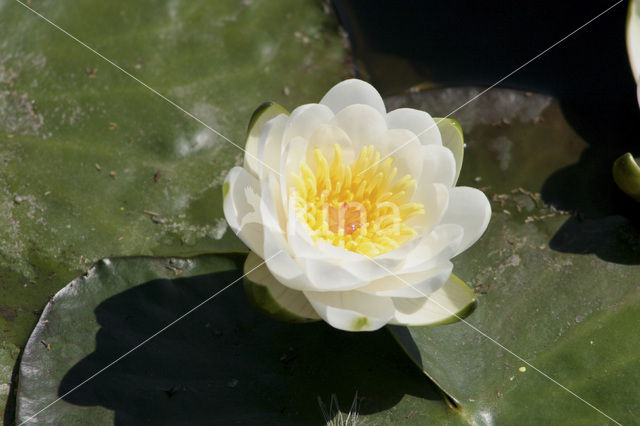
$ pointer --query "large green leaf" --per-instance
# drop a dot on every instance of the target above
(224, 363)
(68, 120)
(561, 291)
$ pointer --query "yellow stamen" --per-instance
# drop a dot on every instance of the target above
(356, 207)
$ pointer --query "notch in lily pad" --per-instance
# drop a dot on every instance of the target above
(626, 174)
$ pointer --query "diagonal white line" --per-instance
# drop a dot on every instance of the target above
(149, 338)
(151, 89)
(495, 84)
(501, 346)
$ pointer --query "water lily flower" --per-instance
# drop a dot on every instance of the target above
(351, 212)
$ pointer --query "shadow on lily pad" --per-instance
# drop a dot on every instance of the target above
(605, 221)
(227, 364)
(611, 238)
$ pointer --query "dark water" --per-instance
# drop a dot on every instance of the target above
(404, 43)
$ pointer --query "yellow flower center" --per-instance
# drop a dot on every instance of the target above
(360, 207)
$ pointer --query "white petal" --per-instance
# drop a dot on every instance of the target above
(419, 122)
(283, 267)
(324, 138)
(241, 206)
(438, 246)
(453, 139)
(281, 264)
(405, 148)
(469, 208)
(262, 115)
(271, 201)
(298, 237)
(277, 252)
(358, 269)
(362, 123)
(325, 275)
(368, 269)
(270, 146)
(353, 91)
(448, 304)
(305, 119)
(435, 199)
(330, 268)
(352, 310)
(413, 285)
(293, 155)
(293, 302)
(439, 165)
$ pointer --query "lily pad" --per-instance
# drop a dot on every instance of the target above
(544, 286)
(222, 363)
(557, 289)
(95, 165)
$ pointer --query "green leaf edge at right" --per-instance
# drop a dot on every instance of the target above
(626, 174)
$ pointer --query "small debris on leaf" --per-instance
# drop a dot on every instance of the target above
(112, 174)
(46, 345)
(92, 72)
(156, 176)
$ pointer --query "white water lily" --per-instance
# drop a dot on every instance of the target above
(352, 214)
